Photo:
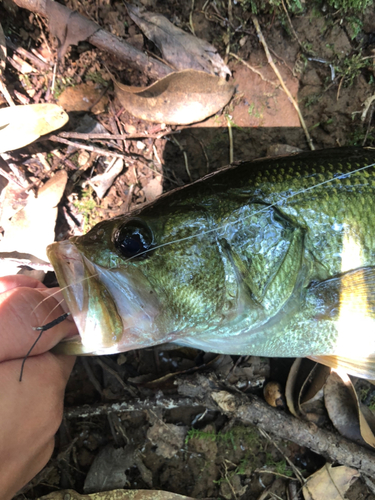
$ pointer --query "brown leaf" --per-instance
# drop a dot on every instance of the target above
(178, 99)
(68, 27)
(153, 189)
(352, 419)
(116, 495)
(178, 48)
(329, 483)
(83, 97)
(21, 125)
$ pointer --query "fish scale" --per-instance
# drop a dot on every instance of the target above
(273, 257)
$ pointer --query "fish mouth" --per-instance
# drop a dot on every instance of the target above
(112, 308)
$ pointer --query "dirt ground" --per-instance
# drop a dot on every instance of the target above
(325, 58)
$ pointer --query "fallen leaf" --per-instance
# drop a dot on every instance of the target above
(153, 189)
(351, 418)
(108, 470)
(329, 483)
(102, 182)
(33, 228)
(83, 97)
(179, 48)
(68, 27)
(3, 50)
(177, 99)
(21, 125)
(116, 495)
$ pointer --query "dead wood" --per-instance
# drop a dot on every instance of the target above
(205, 391)
(107, 42)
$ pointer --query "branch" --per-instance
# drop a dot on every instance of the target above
(106, 41)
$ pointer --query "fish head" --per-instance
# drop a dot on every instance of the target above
(140, 280)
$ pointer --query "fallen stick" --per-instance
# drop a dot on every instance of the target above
(107, 42)
(204, 391)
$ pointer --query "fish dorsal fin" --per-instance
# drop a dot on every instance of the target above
(359, 367)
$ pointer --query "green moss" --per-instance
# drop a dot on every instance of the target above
(87, 207)
(350, 5)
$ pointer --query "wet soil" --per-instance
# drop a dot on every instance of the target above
(327, 64)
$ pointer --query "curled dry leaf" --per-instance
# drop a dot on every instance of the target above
(329, 483)
(304, 390)
(3, 50)
(21, 125)
(178, 99)
(182, 50)
(116, 495)
(68, 27)
(352, 419)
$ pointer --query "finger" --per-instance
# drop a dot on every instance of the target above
(9, 282)
(19, 314)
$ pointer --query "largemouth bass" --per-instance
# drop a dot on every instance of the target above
(274, 257)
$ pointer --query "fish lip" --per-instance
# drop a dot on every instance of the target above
(127, 296)
(70, 271)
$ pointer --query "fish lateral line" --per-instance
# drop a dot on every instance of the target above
(266, 208)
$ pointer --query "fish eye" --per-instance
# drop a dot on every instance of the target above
(133, 238)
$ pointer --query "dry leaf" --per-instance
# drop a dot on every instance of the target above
(178, 99)
(102, 182)
(116, 495)
(352, 419)
(83, 97)
(21, 125)
(153, 189)
(108, 470)
(329, 483)
(3, 50)
(304, 389)
(33, 228)
(68, 27)
(181, 49)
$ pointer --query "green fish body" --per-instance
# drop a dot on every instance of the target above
(274, 257)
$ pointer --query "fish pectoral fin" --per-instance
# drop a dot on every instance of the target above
(351, 295)
(359, 367)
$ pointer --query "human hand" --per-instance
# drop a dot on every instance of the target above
(31, 410)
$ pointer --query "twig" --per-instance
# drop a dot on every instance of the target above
(80, 145)
(122, 137)
(129, 406)
(230, 134)
(290, 23)
(185, 157)
(104, 40)
(38, 63)
(253, 69)
(285, 88)
(6, 94)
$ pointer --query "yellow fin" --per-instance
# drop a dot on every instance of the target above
(359, 367)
